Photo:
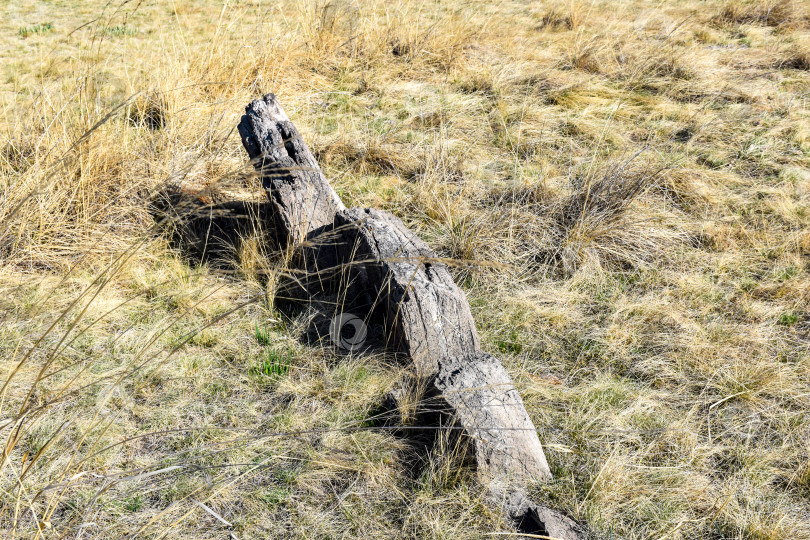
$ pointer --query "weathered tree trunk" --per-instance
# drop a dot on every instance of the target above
(478, 391)
(304, 201)
(426, 315)
(386, 270)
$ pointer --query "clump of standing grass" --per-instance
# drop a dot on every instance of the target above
(274, 364)
(556, 18)
(586, 54)
(263, 336)
(590, 221)
(596, 222)
(775, 13)
(149, 112)
(796, 57)
(40, 28)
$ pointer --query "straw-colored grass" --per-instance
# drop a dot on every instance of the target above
(639, 175)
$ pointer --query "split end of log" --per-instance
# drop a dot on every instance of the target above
(303, 199)
(260, 115)
(534, 519)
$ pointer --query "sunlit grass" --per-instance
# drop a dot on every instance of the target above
(627, 186)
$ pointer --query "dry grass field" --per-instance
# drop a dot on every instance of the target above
(625, 186)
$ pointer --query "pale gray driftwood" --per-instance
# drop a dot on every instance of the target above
(303, 199)
(478, 392)
(394, 272)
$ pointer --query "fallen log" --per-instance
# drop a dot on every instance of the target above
(371, 262)
(428, 318)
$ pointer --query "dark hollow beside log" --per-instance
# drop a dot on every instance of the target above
(212, 232)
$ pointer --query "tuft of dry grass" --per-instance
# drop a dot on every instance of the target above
(797, 57)
(592, 219)
(556, 18)
(784, 14)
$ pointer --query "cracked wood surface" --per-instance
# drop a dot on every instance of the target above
(291, 177)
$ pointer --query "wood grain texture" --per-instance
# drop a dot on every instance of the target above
(398, 276)
(480, 395)
(292, 179)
